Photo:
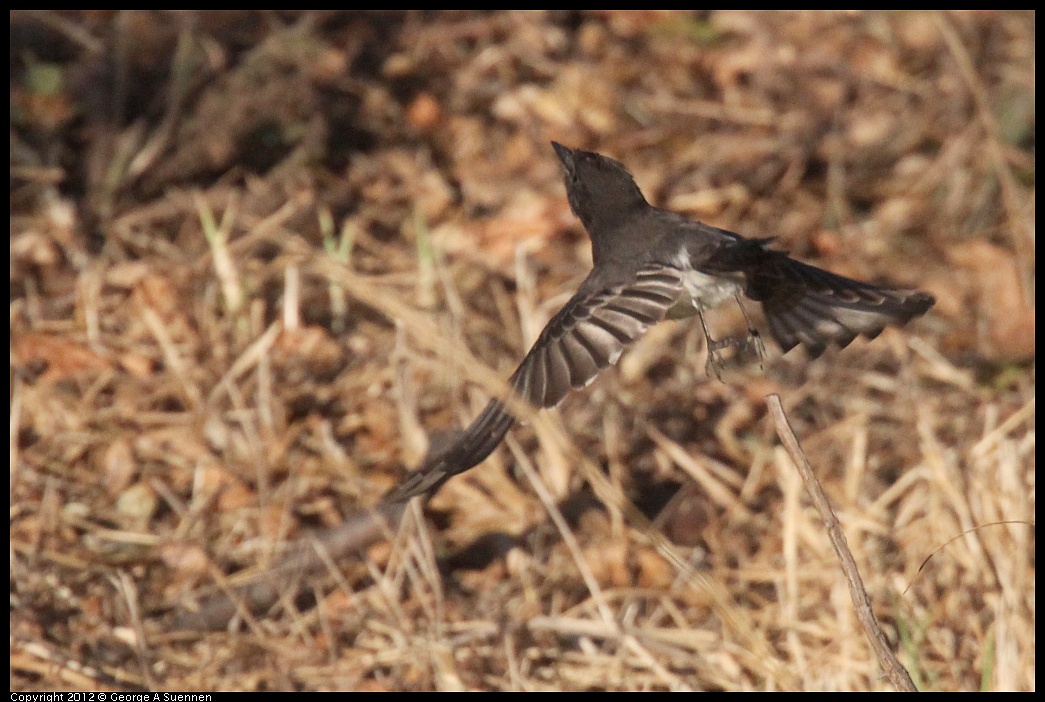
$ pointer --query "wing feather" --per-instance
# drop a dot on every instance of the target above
(591, 331)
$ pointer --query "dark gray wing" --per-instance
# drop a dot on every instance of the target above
(590, 332)
(586, 335)
(468, 449)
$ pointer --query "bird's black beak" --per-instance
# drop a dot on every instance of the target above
(565, 155)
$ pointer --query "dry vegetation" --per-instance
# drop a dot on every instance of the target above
(258, 259)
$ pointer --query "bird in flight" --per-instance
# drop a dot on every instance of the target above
(651, 264)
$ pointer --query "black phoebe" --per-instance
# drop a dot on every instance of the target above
(651, 264)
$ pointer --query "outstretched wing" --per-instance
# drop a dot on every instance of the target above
(590, 332)
(586, 335)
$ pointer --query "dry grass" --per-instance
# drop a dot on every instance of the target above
(258, 258)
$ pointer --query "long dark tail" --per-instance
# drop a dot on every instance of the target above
(812, 307)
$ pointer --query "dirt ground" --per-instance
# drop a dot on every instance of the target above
(260, 259)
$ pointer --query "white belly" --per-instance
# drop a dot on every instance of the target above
(704, 291)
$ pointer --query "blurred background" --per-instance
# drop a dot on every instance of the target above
(259, 259)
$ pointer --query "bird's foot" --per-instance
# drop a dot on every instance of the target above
(743, 349)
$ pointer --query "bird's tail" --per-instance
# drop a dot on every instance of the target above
(812, 307)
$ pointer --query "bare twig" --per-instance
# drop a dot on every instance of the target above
(861, 601)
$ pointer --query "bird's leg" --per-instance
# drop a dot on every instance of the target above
(714, 362)
(753, 341)
(753, 337)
